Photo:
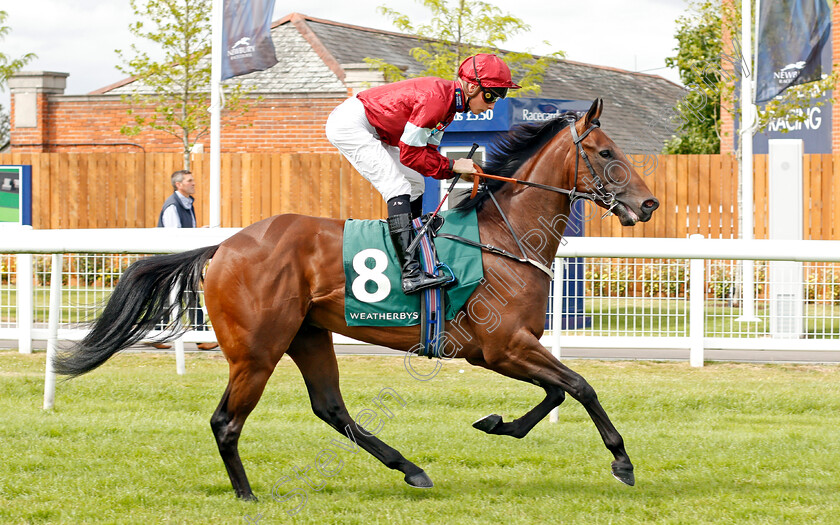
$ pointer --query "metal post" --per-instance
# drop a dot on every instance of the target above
(746, 136)
(557, 320)
(52, 341)
(696, 308)
(24, 302)
(217, 15)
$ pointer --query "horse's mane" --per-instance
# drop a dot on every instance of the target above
(510, 151)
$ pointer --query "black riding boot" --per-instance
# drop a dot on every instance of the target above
(414, 278)
(417, 208)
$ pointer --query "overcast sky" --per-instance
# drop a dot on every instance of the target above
(79, 36)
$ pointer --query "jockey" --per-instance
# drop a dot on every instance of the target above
(391, 134)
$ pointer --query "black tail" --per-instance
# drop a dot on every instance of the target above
(137, 305)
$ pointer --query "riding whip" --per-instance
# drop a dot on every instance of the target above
(419, 236)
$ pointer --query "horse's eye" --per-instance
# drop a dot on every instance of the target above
(606, 153)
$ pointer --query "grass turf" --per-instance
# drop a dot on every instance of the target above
(131, 443)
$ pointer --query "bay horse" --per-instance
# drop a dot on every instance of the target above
(277, 287)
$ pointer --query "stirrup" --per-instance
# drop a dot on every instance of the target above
(422, 282)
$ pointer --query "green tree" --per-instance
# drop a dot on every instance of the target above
(460, 30)
(8, 67)
(176, 88)
(699, 43)
(700, 57)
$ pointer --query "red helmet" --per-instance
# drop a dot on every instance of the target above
(486, 71)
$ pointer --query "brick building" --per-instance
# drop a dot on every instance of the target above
(320, 64)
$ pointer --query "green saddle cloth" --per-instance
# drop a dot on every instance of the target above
(373, 293)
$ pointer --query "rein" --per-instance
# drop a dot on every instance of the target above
(600, 194)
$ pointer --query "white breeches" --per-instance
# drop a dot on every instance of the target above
(348, 130)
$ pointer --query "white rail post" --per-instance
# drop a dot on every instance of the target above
(696, 308)
(557, 319)
(24, 302)
(180, 362)
(52, 341)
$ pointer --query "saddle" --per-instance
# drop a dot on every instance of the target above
(373, 291)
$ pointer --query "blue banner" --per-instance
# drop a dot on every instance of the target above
(246, 36)
(791, 37)
(509, 112)
(815, 130)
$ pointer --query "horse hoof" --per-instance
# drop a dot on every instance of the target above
(488, 423)
(624, 473)
(419, 480)
(247, 497)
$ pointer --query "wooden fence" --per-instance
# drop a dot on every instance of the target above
(116, 190)
(126, 190)
(699, 194)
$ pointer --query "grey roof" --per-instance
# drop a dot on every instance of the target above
(299, 70)
(352, 44)
(636, 105)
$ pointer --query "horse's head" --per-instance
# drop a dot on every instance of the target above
(605, 172)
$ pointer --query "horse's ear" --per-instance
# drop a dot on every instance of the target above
(594, 111)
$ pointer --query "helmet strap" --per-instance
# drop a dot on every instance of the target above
(465, 94)
(475, 70)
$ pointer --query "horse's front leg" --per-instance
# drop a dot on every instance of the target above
(527, 360)
(520, 427)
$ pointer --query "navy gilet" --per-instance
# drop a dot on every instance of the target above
(186, 215)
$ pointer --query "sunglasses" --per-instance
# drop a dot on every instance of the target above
(492, 95)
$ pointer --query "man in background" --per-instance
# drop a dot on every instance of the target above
(178, 212)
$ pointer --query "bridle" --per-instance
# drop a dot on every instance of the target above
(600, 194)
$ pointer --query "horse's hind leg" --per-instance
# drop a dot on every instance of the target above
(313, 353)
(245, 386)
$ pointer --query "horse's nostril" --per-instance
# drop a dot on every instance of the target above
(650, 204)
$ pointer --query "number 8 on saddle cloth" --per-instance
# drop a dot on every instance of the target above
(373, 296)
